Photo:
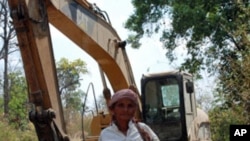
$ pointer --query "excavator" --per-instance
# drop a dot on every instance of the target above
(167, 99)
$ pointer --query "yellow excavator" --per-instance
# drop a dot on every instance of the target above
(167, 99)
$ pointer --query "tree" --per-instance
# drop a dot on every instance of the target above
(216, 35)
(204, 100)
(222, 119)
(18, 104)
(7, 35)
(215, 31)
(217, 39)
(69, 76)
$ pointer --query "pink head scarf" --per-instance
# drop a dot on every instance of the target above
(123, 93)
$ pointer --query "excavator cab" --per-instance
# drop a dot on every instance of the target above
(168, 104)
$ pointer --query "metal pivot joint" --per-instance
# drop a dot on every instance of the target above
(45, 125)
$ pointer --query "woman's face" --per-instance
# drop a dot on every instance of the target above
(124, 110)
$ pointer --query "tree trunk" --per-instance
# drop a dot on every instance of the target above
(6, 37)
(6, 80)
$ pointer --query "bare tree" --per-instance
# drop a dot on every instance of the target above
(8, 42)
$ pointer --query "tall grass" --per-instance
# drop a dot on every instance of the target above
(74, 130)
(9, 133)
(74, 126)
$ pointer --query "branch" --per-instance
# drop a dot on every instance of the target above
(64, 87)
(231, 37)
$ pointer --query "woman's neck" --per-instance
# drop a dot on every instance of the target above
(122, 126)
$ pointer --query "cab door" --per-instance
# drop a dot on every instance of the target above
(163, 106)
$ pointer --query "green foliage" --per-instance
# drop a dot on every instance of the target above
(69, 74)
(213, 29)
(9, 133)
(16, 126)
(18, 103)
(232, 100)
(221, 119)
(235, 91)
(217, 35)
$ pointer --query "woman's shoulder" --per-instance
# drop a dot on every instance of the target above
(142, 124)
(146, 128)
(110, 128)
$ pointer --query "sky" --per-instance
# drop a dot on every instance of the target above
(149, 58)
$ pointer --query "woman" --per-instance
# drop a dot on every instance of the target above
(123, 106)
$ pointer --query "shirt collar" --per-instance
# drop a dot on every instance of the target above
(130, 125)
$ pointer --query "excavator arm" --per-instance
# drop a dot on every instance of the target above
(33, 34)
(88, 27)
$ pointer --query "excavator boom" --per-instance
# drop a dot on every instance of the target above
(86, 26)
